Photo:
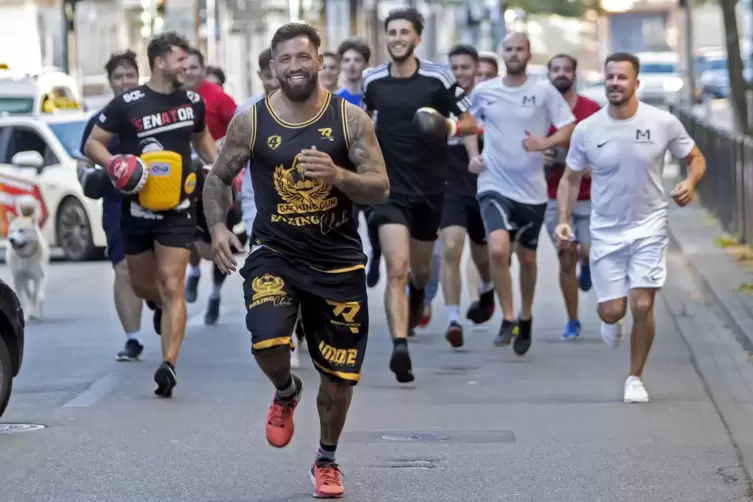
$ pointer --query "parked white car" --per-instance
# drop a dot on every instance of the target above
(38, 156)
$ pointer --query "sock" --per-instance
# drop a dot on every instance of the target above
(397, 342)
(136, 335)
(194, 271)
(485, 287)
(215, 293)
(453, 312)
(326, 452)
(287, 391)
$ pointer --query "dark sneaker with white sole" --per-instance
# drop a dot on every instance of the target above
(454, 334)
(192, 288)
(213, 312)
(165, 379)
(131, 351)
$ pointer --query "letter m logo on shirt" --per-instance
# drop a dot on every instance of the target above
(529, 100)
(642, 135)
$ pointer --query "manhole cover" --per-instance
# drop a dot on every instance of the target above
(415, 437)
(13, 428)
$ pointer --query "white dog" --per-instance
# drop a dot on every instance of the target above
(28, 258)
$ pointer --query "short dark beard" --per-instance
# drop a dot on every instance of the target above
(299, 94)
(404, 58)
(562, 85)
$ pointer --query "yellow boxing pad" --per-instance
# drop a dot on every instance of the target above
(164, 186)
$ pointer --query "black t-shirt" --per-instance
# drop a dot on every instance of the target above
(145, 120)
(303, 218)
(416, 165)
(461, 182)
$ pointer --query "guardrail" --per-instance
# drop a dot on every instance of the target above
(727, 189)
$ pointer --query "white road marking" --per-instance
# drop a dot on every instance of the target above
(94, 393)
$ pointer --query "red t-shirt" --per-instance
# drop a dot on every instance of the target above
(584, 108)
(219, 109)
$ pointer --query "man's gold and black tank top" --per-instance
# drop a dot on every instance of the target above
(298, 216)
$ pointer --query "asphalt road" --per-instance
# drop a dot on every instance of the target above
(486, 425)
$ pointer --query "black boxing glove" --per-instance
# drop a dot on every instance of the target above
(94, 181)
(432, 124)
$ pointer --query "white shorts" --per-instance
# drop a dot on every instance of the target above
(616, 268)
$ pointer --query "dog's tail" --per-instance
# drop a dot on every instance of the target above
(26, 205)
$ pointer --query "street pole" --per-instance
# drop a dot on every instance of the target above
(689, 52)
(70, 53)
(212, 31)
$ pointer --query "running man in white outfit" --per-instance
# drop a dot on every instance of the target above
(516, 112)
(624, 144)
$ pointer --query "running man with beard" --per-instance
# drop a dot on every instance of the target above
(461, 216)
(123, 75)
(160, 122)
(625, 144)
(562, 71)
(418, 168)
(516, 112)
(314, 155)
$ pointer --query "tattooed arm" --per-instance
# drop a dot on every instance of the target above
(369, 185)
(233, 157)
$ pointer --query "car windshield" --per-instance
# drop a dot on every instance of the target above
(69, 134)
(16, 105)
(716, 64)
(657, 68)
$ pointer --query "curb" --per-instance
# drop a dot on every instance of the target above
(731, 318)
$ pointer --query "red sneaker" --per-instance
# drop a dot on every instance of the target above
(280, 426)
(325, 476)
(425, 317)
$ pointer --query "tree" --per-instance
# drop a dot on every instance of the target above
(735, 66)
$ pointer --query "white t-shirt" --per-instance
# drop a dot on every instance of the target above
(627, 162)
(510, 114)
(248, 203)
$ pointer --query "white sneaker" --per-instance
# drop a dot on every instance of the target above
(295, 359)
(635, 392)
(612, 333)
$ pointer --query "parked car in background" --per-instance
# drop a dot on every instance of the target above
(713, 82)
(11, 341)
(39, 157)
(660, 78)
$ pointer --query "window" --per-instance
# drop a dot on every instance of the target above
(16, 105)
(70, 135)
(658, 68)
(23, 140)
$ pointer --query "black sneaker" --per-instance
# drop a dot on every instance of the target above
(165, 379)
(454, 334)
(482, 309)
(505, 334)
(156, 318)
(192, 286)
(131, 351)
(213, 312)
(372, 270)
(400, 364)
(523, 341)
(415, 306)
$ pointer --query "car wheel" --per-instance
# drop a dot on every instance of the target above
(74, 232)
(6, 376)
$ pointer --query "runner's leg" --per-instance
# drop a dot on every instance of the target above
(193, 276)
(453, 241)
(568, 261)
(128, 306)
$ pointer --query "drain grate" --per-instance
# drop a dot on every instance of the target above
(467, 437)
(409, 463)
(14, 428)
(413, 437)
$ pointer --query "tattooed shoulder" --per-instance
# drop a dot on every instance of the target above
(236, 150)
(363, 150)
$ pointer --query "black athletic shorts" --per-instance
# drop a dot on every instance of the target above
(333, 306)
(420, 214)
(464, 211)
(523, 221)
(175, 229)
